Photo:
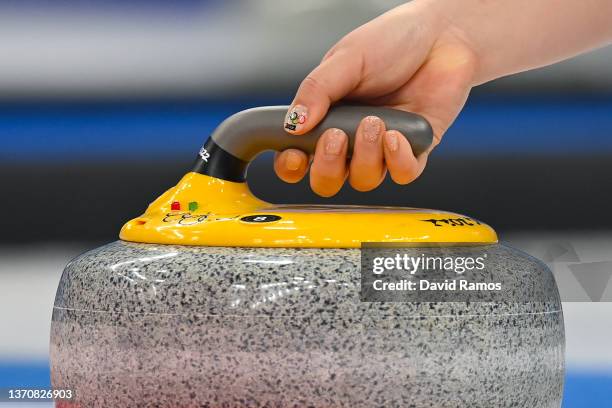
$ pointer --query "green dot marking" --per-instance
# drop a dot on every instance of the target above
(193, 206)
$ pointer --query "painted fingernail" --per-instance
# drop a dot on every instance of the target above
(334, 142)
(293, 161)
(372, 127)
(391, 141)
(296, 117)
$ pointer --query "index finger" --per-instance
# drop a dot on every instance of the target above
(329, 82)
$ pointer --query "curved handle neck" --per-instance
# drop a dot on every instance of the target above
(242, 136)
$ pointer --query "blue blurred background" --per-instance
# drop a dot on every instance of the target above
(103, 105)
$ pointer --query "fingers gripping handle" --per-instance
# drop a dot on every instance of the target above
(242, 136)
(248, 133)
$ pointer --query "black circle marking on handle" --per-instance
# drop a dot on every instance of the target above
(242, 136)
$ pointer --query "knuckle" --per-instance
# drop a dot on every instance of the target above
(311, 84)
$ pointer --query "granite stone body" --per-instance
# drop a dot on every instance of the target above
(143, 325)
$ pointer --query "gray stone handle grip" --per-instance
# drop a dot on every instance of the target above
(242, 136)
(248, 133)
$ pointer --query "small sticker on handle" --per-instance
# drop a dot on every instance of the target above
(260, 218)
(204, 155)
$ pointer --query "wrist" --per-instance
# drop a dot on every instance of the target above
(450, 21)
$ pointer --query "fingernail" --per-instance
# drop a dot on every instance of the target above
(296, 117)
(391, 141)
(293, 161)
(334, 142)
(372, 127)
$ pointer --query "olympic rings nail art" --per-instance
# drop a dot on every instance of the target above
(295, 117)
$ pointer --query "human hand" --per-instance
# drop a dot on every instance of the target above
(410, 59)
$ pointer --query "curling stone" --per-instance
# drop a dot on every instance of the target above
(215, 298)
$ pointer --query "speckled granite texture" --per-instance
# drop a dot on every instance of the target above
(139, 325)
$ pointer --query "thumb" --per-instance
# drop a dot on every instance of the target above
(335, 77)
